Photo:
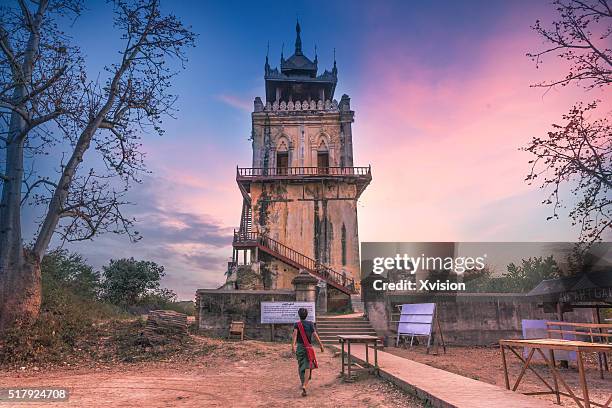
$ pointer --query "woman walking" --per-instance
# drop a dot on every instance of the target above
(303, 331)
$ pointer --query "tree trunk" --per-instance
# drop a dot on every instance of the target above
(19, 274)
(20, 279)
(22, 293)
(20, 283)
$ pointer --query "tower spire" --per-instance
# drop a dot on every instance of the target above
(316, 59)
(267, 66)
(335, 69)
(298, 40)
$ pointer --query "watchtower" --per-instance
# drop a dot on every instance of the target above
(299, 208)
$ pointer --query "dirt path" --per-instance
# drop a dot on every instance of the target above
(249, 374)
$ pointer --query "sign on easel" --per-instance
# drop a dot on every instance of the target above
(417, 320)
(285, 312)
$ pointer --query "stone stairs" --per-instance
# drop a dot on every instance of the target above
(331, 326)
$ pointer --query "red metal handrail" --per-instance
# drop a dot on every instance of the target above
(302, 171)
(295, 256)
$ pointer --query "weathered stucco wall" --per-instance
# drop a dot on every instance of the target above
(301, 134)
(316, 224)
(281, 274)
(468, 319)
(216, 309)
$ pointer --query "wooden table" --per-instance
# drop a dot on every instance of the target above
(362, 339)
(551, 345)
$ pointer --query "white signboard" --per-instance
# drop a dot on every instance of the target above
(536, 329)
(416, 319)
(285, 312)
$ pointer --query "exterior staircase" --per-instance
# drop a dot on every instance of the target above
(246, 218)
(249, 239)
(329, 327)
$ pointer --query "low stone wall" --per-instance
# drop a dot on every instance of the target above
(469, 318)
(215, 310)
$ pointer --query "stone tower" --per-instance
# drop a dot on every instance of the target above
(300, 195)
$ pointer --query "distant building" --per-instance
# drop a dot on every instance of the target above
(299, 209)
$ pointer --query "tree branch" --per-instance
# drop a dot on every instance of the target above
(33, 186)
(10, 56)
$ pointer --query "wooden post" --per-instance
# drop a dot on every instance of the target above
(503, 353)
(349, 359)
(552, 363)
(376, 357)
(342, 341)
(440, 332)
(603, 356)
(583, 384)
(562, 363)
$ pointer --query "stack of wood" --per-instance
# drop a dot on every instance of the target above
(165, 325)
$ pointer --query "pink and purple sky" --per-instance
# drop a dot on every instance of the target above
(443, 102)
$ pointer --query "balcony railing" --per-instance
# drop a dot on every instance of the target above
(254, 172)
(300, 260)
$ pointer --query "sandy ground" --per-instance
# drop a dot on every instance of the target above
(236, 374)
(485, 364)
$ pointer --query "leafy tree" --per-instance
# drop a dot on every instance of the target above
(578, 152)
(531, 271)
(71, 270)
(478, 280)
(517, 279)
(128, 282)
(47, 100)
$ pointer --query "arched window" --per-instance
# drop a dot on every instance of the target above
(322, 157)
(282, 157)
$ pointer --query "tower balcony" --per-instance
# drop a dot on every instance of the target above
(361, 176)
(262, 174)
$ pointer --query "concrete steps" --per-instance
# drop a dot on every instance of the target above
(330, 327)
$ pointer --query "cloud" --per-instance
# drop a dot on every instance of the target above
(193, 246)
(236, 102)
(179, 227)
(444, 143)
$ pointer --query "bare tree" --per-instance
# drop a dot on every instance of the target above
(582, 38)
(578, 153)
(43, 107)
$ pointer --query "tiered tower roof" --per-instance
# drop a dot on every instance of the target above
(298, 75)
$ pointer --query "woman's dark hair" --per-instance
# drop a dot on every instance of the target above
(303, 313)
